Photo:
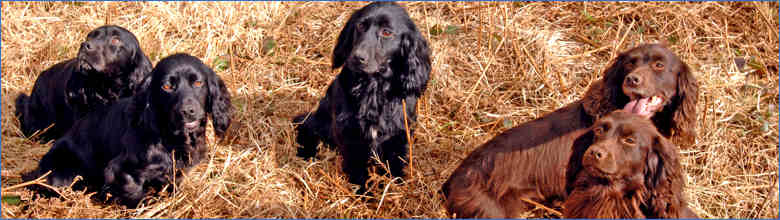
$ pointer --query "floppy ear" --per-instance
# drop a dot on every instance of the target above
(344, 43)
(684, 119)
(605, 95)
(417, 56)
(141, 113)
(663, 180)
(143, 68)
(581, 144)
(218, 103)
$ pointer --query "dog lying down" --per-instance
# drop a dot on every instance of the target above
(135, 144)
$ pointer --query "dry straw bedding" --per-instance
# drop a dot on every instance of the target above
(495, 65)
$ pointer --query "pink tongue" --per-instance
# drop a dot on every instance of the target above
(639, 107)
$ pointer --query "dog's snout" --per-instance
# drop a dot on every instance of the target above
(190, 108)
(361, 56)
(363, 60)
(633, 80)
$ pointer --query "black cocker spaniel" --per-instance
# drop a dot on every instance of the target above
(386, 62)
(134, 144)
(110, 65)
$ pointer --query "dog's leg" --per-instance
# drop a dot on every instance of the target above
(63, 162)
(471, 200)
(22, 112)
(125, 189)
(64, 165)
(396, 154)
(306, 136)
(355, 164)
(130, 192)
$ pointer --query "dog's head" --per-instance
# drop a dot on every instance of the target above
(623, 145)
(111, 51)
(649, 80)
(380, 38)
(625, 159)
(182, 92)
(651, 77)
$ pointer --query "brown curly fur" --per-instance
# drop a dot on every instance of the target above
(646, 182)
(529, 161)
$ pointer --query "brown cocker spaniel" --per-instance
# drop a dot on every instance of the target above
(624, 168)
(530, 160)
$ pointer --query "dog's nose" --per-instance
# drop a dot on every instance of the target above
(633, 80)
(188, 110)
(361, 56)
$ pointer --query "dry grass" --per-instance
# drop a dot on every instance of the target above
(495, 65)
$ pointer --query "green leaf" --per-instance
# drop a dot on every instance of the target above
(764, 126)
(753, 63)
(12, 200)
(672, 39)
(587, 16)
(507, 123)
(451, 29)
(640, 29)
(436, 30)
(268, 46)
(221, 64)
(251, 24)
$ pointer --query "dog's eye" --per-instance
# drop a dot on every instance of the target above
(598, 131)
(631, 63)
(387, 33)
(658, 65)
(197, 83)
(167, 87)
(361, 27)
(629, 140)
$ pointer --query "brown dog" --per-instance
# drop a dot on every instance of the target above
(624, 168)
(529, 161)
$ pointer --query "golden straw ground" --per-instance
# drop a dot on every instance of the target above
(495, 65)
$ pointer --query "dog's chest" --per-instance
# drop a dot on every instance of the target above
(374, 110)
(373, 132)
(387, 122)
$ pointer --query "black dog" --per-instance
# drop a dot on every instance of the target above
(110, 65)
(127, 147)
(386, 61)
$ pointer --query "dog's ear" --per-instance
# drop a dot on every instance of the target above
(141, 76)
(140, 111)
(345, 42)
(663, 180)
(218, 102)
(417, 56)
(138, 61)
(143, 85)
(580, 145)
(602, 96)
(684, 119)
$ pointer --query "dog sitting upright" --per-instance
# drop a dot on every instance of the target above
(386, 63)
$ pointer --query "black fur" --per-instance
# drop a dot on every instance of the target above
(386, 60)
(110, 65)
(126, 148)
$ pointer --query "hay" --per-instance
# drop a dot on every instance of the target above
(495, 65)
